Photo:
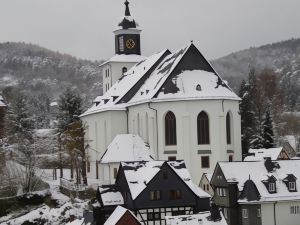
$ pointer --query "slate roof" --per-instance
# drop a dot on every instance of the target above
(126, 147)
(257, 172)
(139, 174)
(159, 78)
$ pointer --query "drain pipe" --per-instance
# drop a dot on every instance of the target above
(149, 106)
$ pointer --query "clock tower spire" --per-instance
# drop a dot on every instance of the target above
(127, 37)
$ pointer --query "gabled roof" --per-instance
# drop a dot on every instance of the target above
(260, 154)
(139, 174)
(109, 195)
(117, 214)
(183, 75)
(126, 147)
(123, 58)
(194, 219)
(239, 172)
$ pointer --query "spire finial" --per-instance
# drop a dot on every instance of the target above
(127, 11)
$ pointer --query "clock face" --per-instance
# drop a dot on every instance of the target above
(130, 44)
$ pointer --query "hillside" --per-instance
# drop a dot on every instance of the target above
(283, 57)
(40, 71)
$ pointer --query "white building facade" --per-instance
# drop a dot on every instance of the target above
(176, 102)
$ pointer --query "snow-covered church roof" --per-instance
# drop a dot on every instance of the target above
(139, 174)
(126, 147)
(165, 76)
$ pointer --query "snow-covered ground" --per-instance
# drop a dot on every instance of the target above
(46, 214)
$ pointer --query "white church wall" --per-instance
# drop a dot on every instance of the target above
(102, 129)
(187, 148)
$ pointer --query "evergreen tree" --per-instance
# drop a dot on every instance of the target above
(19, 121)
(246, 116)
(268, 134)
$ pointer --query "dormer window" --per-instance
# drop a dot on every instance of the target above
(270, 184)
(272, 187)
(290, 182)
(292, 186)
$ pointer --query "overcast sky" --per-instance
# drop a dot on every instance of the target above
(84, 28)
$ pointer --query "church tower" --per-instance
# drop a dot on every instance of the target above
(127, 39)
(127, 51)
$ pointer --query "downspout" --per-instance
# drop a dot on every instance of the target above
(275, 213)
(127, 117)
(149, 106)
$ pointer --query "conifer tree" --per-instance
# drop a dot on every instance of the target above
(268, 134)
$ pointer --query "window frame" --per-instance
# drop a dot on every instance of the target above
(203, 130)
(170, 129)
(121, 43)
(206, 164)
(155, 195)
(272, 187)
(258, 213)
(292, 186)
(245, 214)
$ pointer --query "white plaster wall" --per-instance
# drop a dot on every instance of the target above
(186, 113)
(115, 72)
(101, 130)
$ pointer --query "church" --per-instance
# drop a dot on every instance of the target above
(175, 102)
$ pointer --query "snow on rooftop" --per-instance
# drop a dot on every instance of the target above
(139, 174)
(260, 154)
(2, 102)
(126, 147)
(117, 215)
(76, 222)
(239, 172)
(195, 219)
(180, 168)
(110, 196)
(125, 58)
(109, 100)
(53, 104)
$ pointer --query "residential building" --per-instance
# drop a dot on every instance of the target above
(258, 192)
(152, 190)
(122, 216)
(205, 183)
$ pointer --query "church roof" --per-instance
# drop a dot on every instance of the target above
(123, 58)
(126, 147)
(166, 76)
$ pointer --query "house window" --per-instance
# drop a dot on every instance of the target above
(115, 172)
(292, 186)
(230, 158)
(228, 129)
(170, 129)
(172, 158)
(124, 70)
(203, 128)
(154, 195)
(175, 194)
(221, 192)
(258, 213)
(153, 216)
(295, 209)
(205, 161)
(245, 213)
(225, 211)
(207, 187)
(121, 43)
(271, 187)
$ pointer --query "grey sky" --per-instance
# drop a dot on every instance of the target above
(84, 28)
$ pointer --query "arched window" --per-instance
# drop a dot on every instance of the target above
(203, 128)
(124, 70)
(228, 129)
(170, 129)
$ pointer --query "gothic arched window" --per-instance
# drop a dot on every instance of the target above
(170, 129)
(228, 129)
(203, 128)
